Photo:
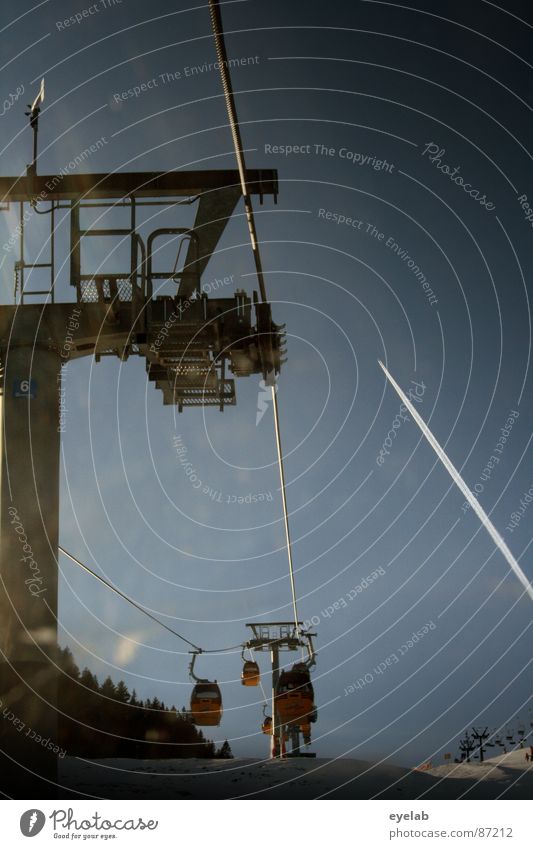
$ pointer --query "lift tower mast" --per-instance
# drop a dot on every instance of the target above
(189, 343)
(275, 637)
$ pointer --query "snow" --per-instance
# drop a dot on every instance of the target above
(507, 776)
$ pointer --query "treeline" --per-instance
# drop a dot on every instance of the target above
(107, 721)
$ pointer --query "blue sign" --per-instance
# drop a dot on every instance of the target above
(24, 388)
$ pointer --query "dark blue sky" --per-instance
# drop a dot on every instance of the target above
(349, 85)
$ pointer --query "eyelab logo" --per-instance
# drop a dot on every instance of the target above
(32, 822)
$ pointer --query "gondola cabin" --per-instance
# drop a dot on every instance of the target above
(266, 727)
(206, 703)
(250, 675)
(295, 696)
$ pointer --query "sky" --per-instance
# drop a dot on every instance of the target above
(400, 133)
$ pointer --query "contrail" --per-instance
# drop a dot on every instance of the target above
(474, 503)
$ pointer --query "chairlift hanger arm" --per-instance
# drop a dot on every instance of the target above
(311, 660)
(191, 666)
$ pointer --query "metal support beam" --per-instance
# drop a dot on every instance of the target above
(214, 211)
(277, 732)
(134, 184)
(29, 518)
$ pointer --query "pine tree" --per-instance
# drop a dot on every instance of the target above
(122, 694)
(224, 752)
(89, 680)
(108, 688)
(67, 663)
(84, 710)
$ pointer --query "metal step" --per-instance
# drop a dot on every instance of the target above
(188, 382)
(189, 373)
(195, 396)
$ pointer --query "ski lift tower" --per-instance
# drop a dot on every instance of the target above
(189, 343)
(275, 637)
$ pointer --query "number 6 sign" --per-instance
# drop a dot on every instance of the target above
(24, 388)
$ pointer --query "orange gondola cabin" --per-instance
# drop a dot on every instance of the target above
(266, 727)
(206, 703)
(295, 696)
(250, 675)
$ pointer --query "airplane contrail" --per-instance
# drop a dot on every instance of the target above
(474, 503)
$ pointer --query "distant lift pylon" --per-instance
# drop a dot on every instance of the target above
(293, 706)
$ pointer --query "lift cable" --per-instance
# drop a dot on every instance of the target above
(222, 56)
(142, 609)
(285, 510)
